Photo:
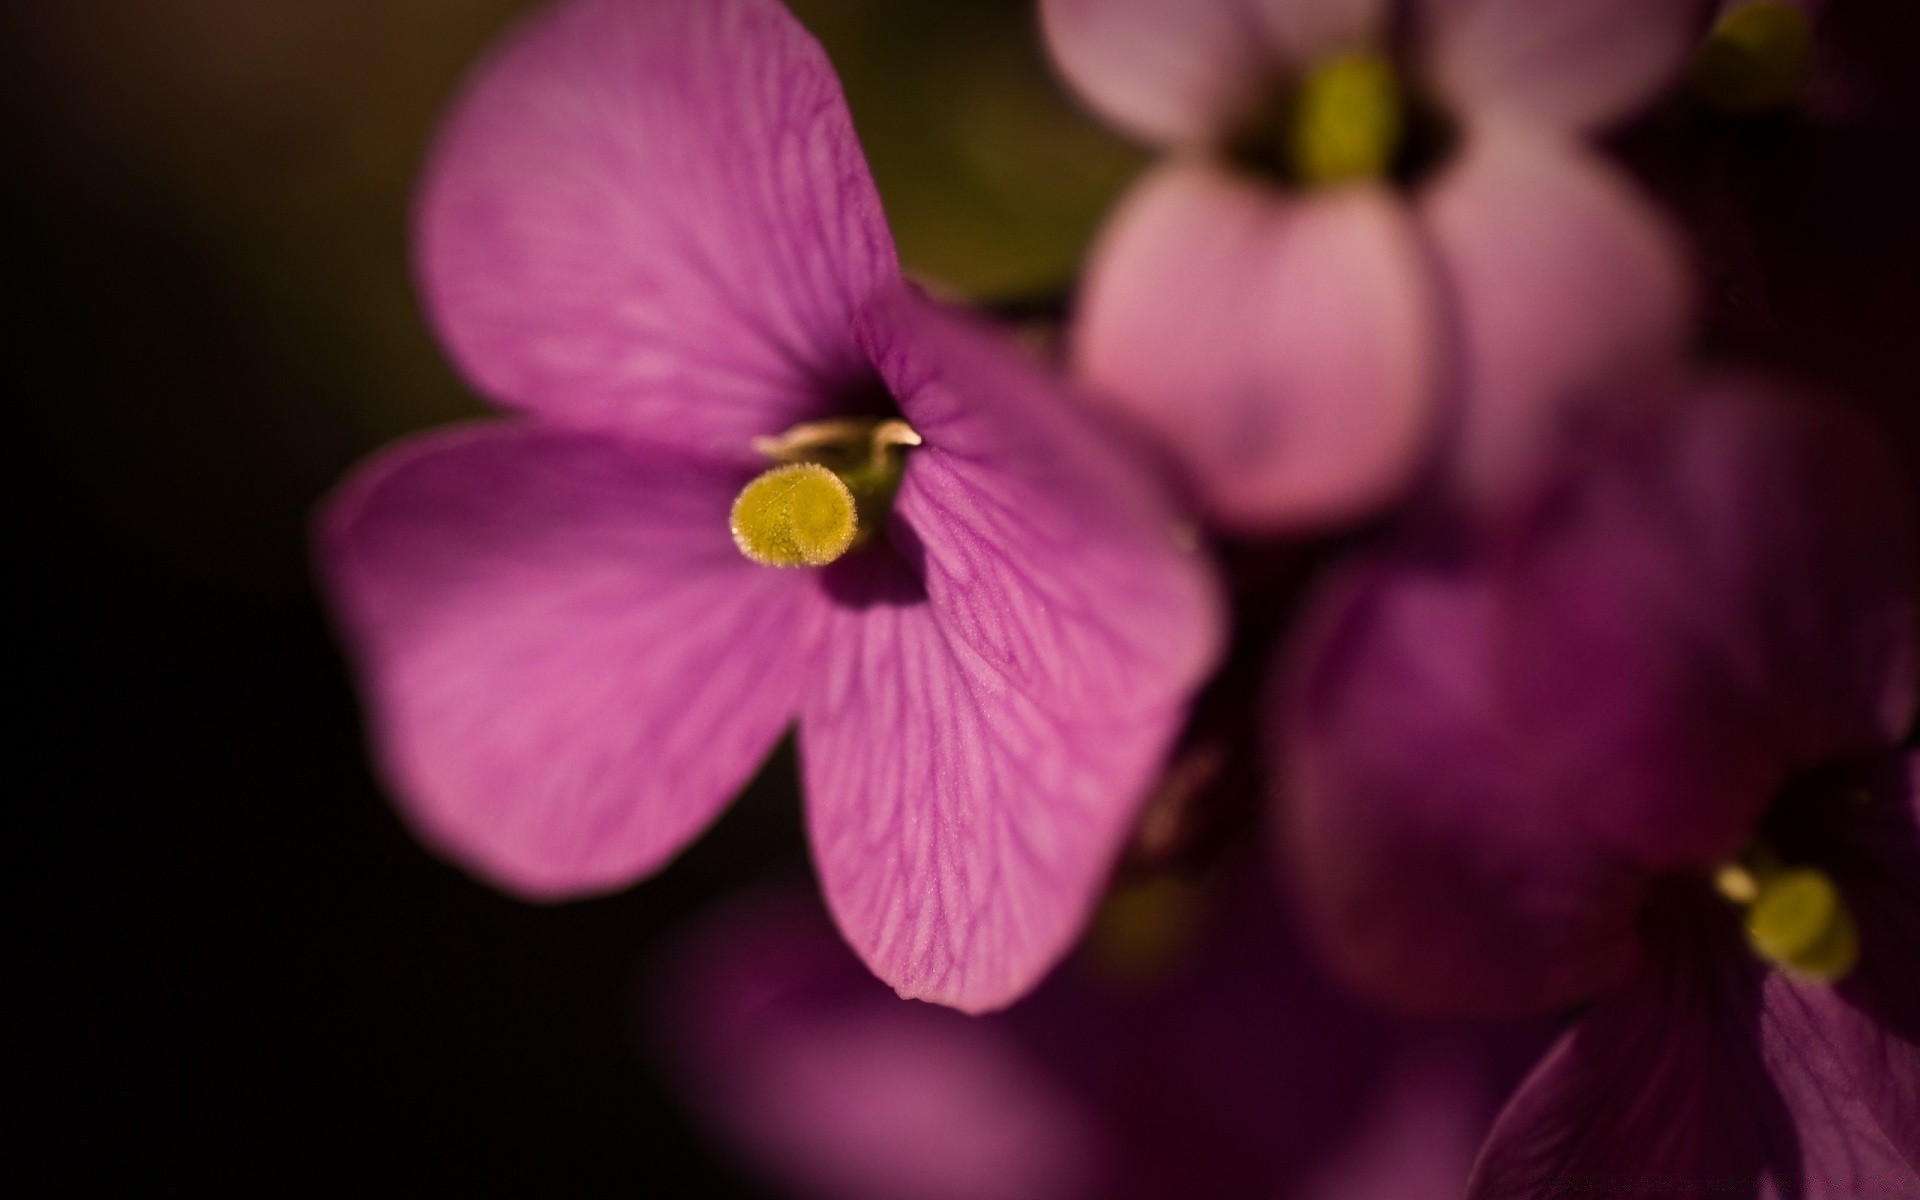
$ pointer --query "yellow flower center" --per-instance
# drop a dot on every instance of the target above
(1796, 919)
(797, 515)
(829, 494)
(1756, 57)
(1346, 120)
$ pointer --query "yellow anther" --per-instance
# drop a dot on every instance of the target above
(1346, 120)
(796, 515)
(1799, 921)
(1756, 57)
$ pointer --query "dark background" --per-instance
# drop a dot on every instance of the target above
(239, 971)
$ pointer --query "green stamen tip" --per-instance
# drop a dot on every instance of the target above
(1346, 121)
(1756, 58)
(796, 515)
(1799, 921)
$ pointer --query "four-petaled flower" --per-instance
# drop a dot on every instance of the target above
(1378, 233)
(757, 479)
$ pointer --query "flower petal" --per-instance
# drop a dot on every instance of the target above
(570, 668)
(1185, 71)
(1488, 752)
(962, 829)
(1044, 543)
(1849, 1056)
(835, 1087)
(1283, 349)
(1570, 291)
(654, 216)
(1708, 1074)
(1800, 539)
(1661, 1082)
(1230, 1069)
(1421, 828)
(1570, 63)
(1001, 690)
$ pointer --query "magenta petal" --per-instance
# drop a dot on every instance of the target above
(1709, 1077)
(571, 670)
(962, 831)
(1284, 349)
(981, 735)
(1417, 806)
(1230, 1070)
(1850, 1056)
(653, 215)
(1795, 524)
(836, 1088)
(1484, 752)
(1570, 63)
(1046, 546)
(1661, 1083)
(1571, 290)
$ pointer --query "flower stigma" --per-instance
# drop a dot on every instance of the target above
(831, 490)
(1346, 120)
(1796, 919)
(1756, 57)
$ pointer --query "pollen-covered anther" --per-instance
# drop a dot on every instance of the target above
(1756, 58)
(1799, 921)
(795, 515)
(1346, 120)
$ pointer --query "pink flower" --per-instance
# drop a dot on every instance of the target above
(648, 230)
(1371, 235)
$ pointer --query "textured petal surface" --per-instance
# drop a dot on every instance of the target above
(1283, 349)
(1487, 753)
(1044, 542)
(1569, 290)
(1661, 1084)
(1000, 690)
(653, 215)
(1186, 71)
(1570, 63)
(570, 669)
(1713, 1077)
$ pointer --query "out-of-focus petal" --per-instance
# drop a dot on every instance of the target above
(1569, 291)
(1485, 751)
(653, 215)
(570, 668)
(1728, 603)
(1419, 1141)
(1793, 522)
(1284, 350)
(1003, 681)
(1569, 63)
(1429, 822)
(838, 1089)
(1709, 1073)
(1232, 1070)
(1167, 72)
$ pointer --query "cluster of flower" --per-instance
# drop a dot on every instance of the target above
(1395, 456)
